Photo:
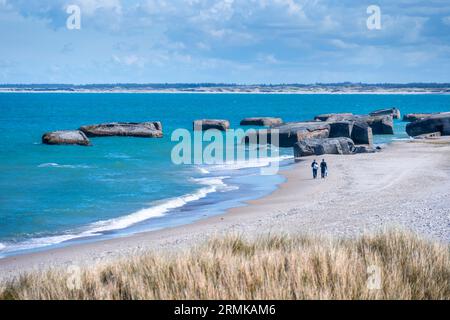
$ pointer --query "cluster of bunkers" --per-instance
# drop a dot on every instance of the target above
(337, 133)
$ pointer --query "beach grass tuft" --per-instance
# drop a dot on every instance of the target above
(389, 265)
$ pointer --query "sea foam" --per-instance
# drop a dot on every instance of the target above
(250, 163)
(159, 209)
(211, 184)
(66, 166)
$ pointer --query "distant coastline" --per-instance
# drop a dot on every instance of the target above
(209, 88)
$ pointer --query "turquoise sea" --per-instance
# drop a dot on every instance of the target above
(59, 195)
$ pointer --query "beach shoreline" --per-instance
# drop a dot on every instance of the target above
(405, 186)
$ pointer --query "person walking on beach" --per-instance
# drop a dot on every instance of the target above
(323, 169)
(315, 168)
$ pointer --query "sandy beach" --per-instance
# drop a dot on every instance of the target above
(406, 186)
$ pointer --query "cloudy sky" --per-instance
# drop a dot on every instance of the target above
(240, 41)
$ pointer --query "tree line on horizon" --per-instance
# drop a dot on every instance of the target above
(63, 86)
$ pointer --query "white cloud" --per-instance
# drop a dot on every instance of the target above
(267, 58)
(90, 7)
(160, 6)
(329, 23)
(221, 10)
(417, 58)
(446, 20)
(218, 35)
(203, 46)
(129, 60)
(338, 43)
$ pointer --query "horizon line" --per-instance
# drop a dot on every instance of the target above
(344, 83)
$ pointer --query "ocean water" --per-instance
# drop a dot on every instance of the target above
(58, 195)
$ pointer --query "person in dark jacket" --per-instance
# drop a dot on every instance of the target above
(324, 169)
(315, 168)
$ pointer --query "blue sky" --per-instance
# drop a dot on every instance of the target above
(251, 41)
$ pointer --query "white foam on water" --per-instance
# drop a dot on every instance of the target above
(48, 165)
(248, 163)
(212, 184)
(44, 242)
(66, 166)
(217, 182)
(203, 170)
(117, 156)
(210, 181)
(159, 209)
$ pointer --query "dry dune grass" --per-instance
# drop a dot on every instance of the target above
(270, 267)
